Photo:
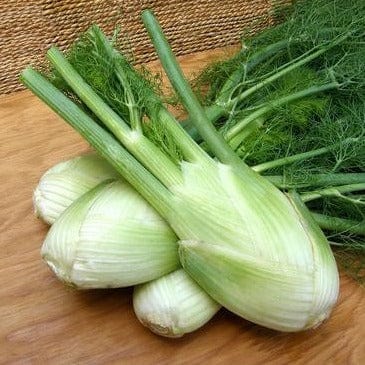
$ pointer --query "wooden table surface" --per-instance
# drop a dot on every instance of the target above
(42, 322)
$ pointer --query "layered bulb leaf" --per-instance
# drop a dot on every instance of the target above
(110, 237)
(65, 182)
(173, 305)
(254, 249)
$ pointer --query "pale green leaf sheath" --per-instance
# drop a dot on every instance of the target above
(65, 182)
(110, 237)
(173, 305)
(255, 250)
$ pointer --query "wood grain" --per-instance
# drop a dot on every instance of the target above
(43, 322)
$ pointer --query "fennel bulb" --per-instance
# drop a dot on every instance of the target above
(173, 305)
(253, 249)
(68, 180)
(110, 237)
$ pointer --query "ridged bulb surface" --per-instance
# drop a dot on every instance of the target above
(110, 237)
(67, 181)
(253, 249)
(173, 305)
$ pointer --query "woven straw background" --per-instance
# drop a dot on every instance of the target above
(29, 27)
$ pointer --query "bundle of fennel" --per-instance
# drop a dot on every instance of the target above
(255, 250)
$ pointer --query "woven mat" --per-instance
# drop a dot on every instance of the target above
(29, 27)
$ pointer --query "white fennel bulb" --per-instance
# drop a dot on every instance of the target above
(68, 180)
(253, 249)
(110, 237)
(173, 305)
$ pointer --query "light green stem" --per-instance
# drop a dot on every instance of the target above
(108, 147)
(190, 149)
(144, 150)
(317, 180)
(300, 156)
(298, 62)
(196, 112)
(235, 79)
(237, 128)
(335, 191)
(236, 141)
(339, 224)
